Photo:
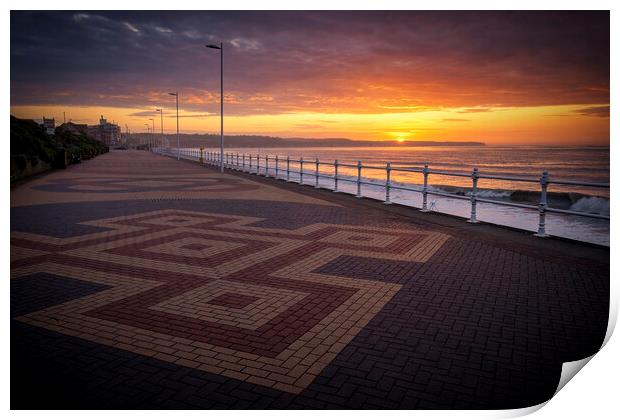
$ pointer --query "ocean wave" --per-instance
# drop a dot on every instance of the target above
(560, 200)
(597, 205)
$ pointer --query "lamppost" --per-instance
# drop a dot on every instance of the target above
(176, 94)
(148, 133)
(152, 120)
(221, 48)
(161, 115)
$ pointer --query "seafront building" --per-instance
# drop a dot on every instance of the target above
(105, 132)
(75, 128)
(49, 124)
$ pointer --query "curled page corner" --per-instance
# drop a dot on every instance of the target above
(570, 369)
(520, 412)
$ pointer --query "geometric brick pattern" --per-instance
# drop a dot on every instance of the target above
(94, 184)
(293, 320)
(245, 306)
(162, 295)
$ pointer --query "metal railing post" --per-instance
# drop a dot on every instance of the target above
(425, 189)
(474, 193)
(301, 170)
(237, 160)
(359, 179)
(277, 164)
(316, 174)
(250, 167)
(266, 166)
(388, 183)
(336, 175)
(288, 168)
(243, 162)
(542, 206)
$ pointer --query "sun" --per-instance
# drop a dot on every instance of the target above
(399, 136)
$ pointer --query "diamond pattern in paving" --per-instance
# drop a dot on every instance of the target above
(298, 322)
(235, 303)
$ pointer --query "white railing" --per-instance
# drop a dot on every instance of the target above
(280, 168)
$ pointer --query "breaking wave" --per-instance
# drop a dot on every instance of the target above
(560, 200)
(597, 205)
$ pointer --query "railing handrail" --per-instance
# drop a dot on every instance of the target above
(236, 162)
(481, 175)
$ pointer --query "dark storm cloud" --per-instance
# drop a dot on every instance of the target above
(323, 61)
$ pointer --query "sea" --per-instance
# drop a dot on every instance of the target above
(583, 164)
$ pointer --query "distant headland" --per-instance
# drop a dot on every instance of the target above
(253, 141)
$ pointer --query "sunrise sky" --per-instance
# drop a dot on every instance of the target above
(497, 77)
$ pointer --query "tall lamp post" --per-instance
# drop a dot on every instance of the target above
(176, 94)
(152, 120)
(161, 116)
(221, 48)
(148, 132)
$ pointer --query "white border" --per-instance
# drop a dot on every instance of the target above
(592, 394)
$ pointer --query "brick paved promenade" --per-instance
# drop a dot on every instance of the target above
(141, 282)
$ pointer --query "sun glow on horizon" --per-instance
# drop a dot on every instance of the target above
(553, 125)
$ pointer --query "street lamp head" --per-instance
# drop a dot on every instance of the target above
(215, 47)
(173, 94)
